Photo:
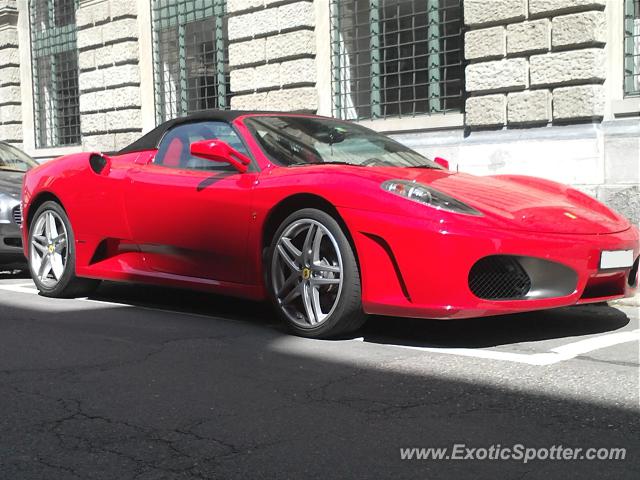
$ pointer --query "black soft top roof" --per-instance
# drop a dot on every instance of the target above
(151, 140)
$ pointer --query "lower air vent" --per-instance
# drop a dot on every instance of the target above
(499, 277)
(17, 215)
(13, 242)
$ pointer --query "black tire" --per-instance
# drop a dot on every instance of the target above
(347, 315)
(69, 285)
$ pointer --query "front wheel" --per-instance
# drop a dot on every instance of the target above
(52, 254)
(313, 277)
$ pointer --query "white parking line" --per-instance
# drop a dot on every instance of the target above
(555, 355)
(19, 287)
(30, 288)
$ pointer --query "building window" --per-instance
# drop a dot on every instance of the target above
(190, 57)
(55, 72)
(396, 58)
(632, 47)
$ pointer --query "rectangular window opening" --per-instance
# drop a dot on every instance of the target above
(190, 57)
(55, 72)
(632, 48)
(397, 58)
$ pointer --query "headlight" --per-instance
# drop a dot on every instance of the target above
(428, 196)
(5, 200)
(6, 204)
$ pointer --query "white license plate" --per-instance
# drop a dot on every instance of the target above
(616, 259)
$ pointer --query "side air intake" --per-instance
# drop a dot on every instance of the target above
(98, 162)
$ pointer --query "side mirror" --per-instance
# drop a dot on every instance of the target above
(442, 162)
(219, 151)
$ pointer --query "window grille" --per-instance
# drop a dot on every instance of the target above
(632, 47)
(55, 72)
(396, 58)
(190, 57)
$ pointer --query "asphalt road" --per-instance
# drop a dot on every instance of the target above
(153, 383)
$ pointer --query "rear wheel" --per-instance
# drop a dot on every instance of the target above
(313, 276)
(52, 254)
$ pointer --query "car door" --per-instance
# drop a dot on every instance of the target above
(190, 216)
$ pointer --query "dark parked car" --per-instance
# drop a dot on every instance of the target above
(13, 165)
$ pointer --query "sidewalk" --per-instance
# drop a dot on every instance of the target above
(628, 302)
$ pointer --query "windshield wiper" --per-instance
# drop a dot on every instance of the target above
(5, 169)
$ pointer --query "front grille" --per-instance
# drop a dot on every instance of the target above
(499, 277)
(17, 215)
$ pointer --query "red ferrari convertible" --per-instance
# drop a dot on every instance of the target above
(328, 219)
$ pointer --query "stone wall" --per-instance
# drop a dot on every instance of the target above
(534, 62)
(109, 74)
(10, 102)
(272, 49)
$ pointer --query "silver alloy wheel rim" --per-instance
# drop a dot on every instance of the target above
(49, 248)
(307, 273)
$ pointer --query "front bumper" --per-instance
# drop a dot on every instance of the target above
(413, 268)
(11, 252)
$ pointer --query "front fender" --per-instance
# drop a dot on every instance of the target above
(94, 202)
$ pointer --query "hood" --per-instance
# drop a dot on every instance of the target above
(534, 205)
(11, 183)
(517, 202)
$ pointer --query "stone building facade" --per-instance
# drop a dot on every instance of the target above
(538, 87)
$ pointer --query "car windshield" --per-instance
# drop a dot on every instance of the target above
(297, 140)
(13, 160)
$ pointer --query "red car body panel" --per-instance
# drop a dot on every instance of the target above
(140, 222)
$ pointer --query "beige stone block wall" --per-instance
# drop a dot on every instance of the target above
(547, 56)
(109, 73)
(10, 94)
(272, 55)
